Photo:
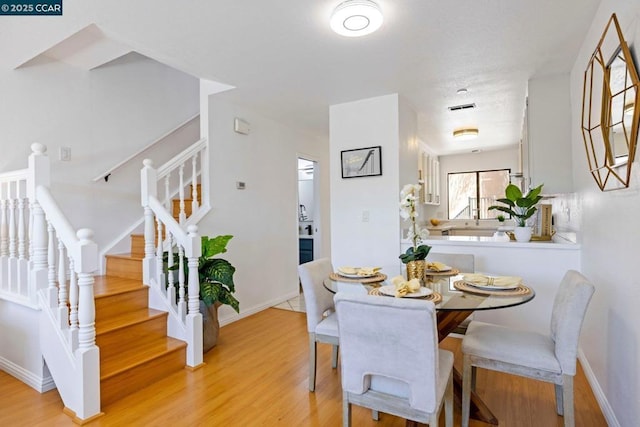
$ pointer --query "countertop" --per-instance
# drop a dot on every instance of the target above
(556, 243)
(305, 236)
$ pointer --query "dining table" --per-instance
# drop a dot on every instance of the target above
(454, 300)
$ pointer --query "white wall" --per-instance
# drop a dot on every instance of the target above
(610, 230)
(485, 160)
(263, 218)
(359, 124)
(20, 353)
(104, 115)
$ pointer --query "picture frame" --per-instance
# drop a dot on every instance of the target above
(361, 162)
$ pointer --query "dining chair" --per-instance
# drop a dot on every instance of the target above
(321, 317)
(390, 360)
(546, 357)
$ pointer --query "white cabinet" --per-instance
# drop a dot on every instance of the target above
(430, 175)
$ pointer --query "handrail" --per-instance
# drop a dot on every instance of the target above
(180, 158)
(108, 172)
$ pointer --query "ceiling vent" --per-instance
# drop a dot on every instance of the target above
(462, 107)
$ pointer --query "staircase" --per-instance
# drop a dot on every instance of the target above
(135, 350)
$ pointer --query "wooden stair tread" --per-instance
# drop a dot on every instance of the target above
(110, 285)
(127, 319)
(126, 256)
(140, 353)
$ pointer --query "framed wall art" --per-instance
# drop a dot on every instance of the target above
(361, 162)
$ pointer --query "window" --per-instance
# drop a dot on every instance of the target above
(471, 193)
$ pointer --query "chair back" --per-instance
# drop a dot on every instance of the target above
(317, 300)
(463, 262)
(391, 340)
(569, 309)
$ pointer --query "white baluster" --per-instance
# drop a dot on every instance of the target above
(182, 304)
(149, 233)
(4, 226)
(167, 194)
(62, 277)
(182, 216)
(30, 237)
(39, 239)
(86, 304)
(159, 262)
(171, 287)
(51, 261)
(12, 224)
(73, 296)
(21, 229)
(193, 293)
(194, 184)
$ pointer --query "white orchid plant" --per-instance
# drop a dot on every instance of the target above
(408, 212)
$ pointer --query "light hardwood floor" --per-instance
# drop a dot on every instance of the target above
(257, 376)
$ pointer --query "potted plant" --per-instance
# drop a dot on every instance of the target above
(521, 208)
(414, 256)
(216, 286)
(501, 219)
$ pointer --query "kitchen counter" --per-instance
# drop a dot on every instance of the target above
(556, 243)
(306, 236)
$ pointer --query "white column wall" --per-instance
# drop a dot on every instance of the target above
(365, 123)
(263, 218)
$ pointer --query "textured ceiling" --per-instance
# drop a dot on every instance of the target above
(283, 59)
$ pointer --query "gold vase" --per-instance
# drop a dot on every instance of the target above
(415, 270)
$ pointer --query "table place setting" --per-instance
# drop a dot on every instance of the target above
(492, 285)
(402, 288)
(436, 268)
(359, 274)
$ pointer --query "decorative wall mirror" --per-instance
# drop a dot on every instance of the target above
(609, 117)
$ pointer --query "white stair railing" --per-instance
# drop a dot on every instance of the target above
(177, 292)
(46, 264)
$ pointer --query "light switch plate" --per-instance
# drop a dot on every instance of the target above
(65, 154)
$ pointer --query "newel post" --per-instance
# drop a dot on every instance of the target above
(149, 188)
(39, 175)
(193, 250)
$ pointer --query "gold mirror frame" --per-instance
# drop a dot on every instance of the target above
(610, 125)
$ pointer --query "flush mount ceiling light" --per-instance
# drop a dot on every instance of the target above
(464, 134)
(355, 18)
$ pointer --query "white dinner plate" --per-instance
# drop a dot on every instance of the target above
(357, 276)
(492, 287)
(391, 291)
(442, 270)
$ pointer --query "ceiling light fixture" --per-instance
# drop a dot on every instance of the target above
(465, 134)
(355, 18)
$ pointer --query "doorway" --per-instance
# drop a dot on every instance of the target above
(308, 210)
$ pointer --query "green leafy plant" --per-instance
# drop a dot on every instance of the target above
(518, 206)
(215, 274)
(500, 218)
(415, 254)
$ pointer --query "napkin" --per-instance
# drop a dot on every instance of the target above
(404, 287)
(348, 270)
(368, 271)
(436, 266)
(498, 281)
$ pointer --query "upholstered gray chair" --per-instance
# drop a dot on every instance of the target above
(390, 358)
(550, 358)
(321, 318)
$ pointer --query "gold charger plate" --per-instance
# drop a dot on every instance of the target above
(434, 297)
(519, 291)
(378, 277)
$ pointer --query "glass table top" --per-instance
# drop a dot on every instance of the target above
(452, 298)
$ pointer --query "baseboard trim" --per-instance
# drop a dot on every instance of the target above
(605, 407)
(258, 308)
(36, 382)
